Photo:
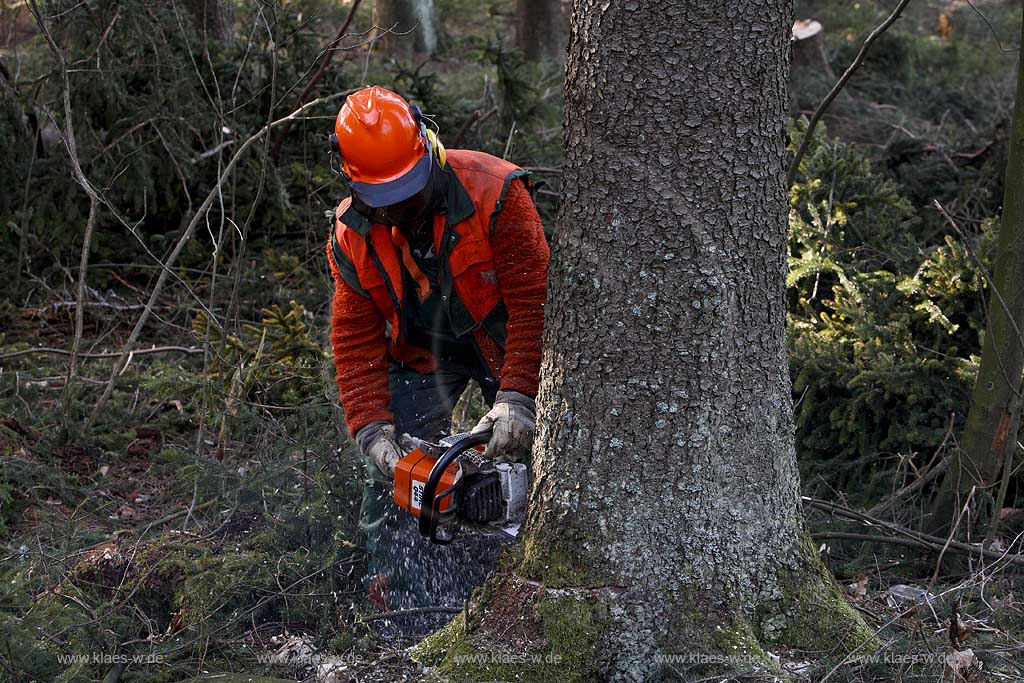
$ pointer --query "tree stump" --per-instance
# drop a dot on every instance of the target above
(809, 45)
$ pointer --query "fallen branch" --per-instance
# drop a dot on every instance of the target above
(58, 305)
(143, 528)
(837, 88)
(949, 539)
(412, 611)
(112, 354)
(872, 538)
(923, 540)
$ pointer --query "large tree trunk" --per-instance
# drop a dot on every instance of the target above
(541, 29)
(665, 530)
(413, 24)
(990, 436)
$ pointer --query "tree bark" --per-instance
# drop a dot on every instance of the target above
(541, 30)
(991, 433)
(413, 24)
(665, 533)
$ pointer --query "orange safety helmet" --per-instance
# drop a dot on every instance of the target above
(384, 146)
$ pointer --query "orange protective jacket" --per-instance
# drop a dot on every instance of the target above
(493, 277)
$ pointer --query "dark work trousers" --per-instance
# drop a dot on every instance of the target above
(404, 568)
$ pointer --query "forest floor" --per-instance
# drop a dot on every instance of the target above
(106, 551)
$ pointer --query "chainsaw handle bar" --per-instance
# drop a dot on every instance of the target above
(430, 512)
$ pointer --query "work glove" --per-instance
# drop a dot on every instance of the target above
(512, 423)
(378, 442)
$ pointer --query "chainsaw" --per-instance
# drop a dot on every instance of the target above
(450, 484)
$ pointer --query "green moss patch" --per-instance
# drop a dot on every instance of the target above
(554, 568)
(813, 614)
(516, 631)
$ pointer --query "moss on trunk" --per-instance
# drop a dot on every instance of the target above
(517, 630)
(522, 631)
(812, 612)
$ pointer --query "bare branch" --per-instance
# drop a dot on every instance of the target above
(193, 224)
(838, 87)
(70, 144)
(328, 56)
(923, 540)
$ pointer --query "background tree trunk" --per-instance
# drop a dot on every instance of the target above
(993, 422)
(541, 29)
(415, 26)
(665, 518)
(215, 17)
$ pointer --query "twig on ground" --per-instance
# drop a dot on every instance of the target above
(174, 515)
(58, 305)
(949, 539)
(112, 354)
(925, 540)
(410, 612)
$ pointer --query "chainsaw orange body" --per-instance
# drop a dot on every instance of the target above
(450, 483)
(411, 474)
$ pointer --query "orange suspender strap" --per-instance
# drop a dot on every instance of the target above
(422, 283)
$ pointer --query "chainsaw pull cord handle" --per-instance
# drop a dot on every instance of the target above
(430, 508)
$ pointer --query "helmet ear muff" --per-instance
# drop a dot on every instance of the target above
(429, 136)
(337, 165)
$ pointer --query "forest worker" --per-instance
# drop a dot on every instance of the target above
(439, 263)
